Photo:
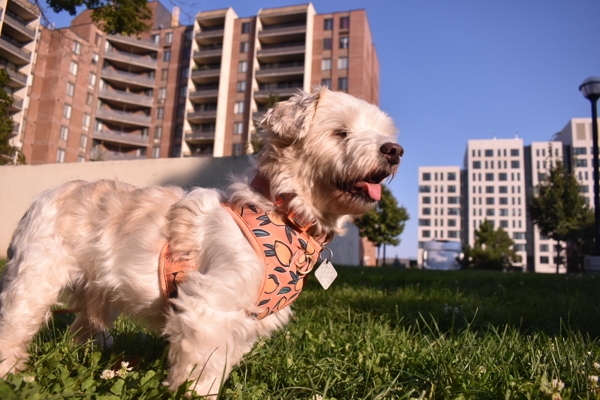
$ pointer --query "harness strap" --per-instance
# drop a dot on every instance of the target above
(171, 272)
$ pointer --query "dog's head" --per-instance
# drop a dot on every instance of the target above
(332, 151)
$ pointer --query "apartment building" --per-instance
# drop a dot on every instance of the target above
(19, 24)
(497, 178)
(186, 91)
(104, 97)
(440, 205)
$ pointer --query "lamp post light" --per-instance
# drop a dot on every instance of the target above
(591, 91)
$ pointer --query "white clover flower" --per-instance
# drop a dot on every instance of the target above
(593, 379)
(107, 374)
(124, 370)
(317, 397)
(557, 385)
(597, 366)
(29, 378)
(482, 369)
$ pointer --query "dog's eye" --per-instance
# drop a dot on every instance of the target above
(342, 134)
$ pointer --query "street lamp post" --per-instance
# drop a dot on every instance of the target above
(591, 91)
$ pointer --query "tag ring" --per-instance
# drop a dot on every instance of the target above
(330, 254)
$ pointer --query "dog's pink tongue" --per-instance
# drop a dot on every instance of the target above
(373, 190)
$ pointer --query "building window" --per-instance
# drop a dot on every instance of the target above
(489, 176)
(160, 113)
(241, 86)
(243, 66)
(489, 189)
(73, 68)
(424, 189)
(67, 111)
(584, 189)
(580, 162)
(503, 200)
(426, 211)
(64, 132)
(342, 83)
(237, 149)
(239, 107)
(326, 83)
(326, 64)
(503, 189)
(86, 121)
(164, 74)
(328, 24)
(451, 176)
(426, 200)
(515, 164)
(343, 63)
(70, 89)
(426, 233)
(344, 22)
(490, 213)
(451, 189)
(454, 211)
(238, 128)
(489, 201)
(344, 42)
(579, 151)
(424, 222)
(502, 176)
(158, 132)
(327, 44)
(544, 259)
(95, 58)
(246, 27)
(476, 164)
(60, 156)
(514, 152)
(92, 80)
(89, 99)
(162, 93)
(426, 176)
(155, 38)
(156, 152)
(453, 200)
(169, 38)
(518, 235)
(244, 47)
(489, 153)
(76, 47)
(167, 55)
(83, 142)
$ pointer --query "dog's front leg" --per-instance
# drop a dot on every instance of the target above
(205, 344)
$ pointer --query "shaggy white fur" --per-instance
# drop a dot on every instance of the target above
(95, 245)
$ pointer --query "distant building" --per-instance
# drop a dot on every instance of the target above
(498, 177)
(19, 26)
(179, 91)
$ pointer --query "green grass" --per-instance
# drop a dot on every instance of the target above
(375, 334)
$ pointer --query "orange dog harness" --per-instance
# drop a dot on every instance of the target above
(288, 252)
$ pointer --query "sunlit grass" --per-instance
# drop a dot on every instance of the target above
(375, 334)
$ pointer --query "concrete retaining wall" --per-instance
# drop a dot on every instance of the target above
(21, 184)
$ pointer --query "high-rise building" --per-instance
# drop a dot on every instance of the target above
(498, 177)
(19, 23)
(180, 91)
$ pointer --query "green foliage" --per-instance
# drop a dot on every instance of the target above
(561, 213)
(127, 17)
(385, 223)
(382, 333)
(492, 250)
(8, 153)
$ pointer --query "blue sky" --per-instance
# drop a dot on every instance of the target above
(454, 70)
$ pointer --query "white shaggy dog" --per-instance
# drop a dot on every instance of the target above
(96, 245)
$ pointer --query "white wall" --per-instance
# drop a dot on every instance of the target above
(21, 184)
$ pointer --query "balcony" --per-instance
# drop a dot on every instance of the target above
(201, 96)
(283, 29)
(262, 96)
(281, 50)
(133, 44)
(206, 74)
(118, 156)
(15, 131)
(121, 138)
(207, 55)
(17, 79)
(198, 117)
(131, 59)
(127, 77)
(196, 136)
(26, 9)
(209, 35)
(126, 97)
(18, 28)
(17, 105)
(13, 52)
(280, 71)
(124, 117)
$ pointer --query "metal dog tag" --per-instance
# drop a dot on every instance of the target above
(326, 274)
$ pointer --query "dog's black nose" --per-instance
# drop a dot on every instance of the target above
(392, 152)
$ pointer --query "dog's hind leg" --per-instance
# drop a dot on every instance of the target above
(93, 324)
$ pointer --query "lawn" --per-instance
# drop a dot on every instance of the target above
(377, 333)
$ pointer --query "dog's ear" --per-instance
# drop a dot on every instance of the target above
(290, 119)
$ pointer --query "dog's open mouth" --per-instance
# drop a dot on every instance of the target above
(368, 189)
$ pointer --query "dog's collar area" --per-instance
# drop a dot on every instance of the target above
(262, 185)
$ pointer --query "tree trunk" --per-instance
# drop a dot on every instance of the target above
(383, 263)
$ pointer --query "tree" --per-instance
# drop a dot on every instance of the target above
(493, 249)
(127, 17)
(384, 224)
(8, 153)
(560, 212)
